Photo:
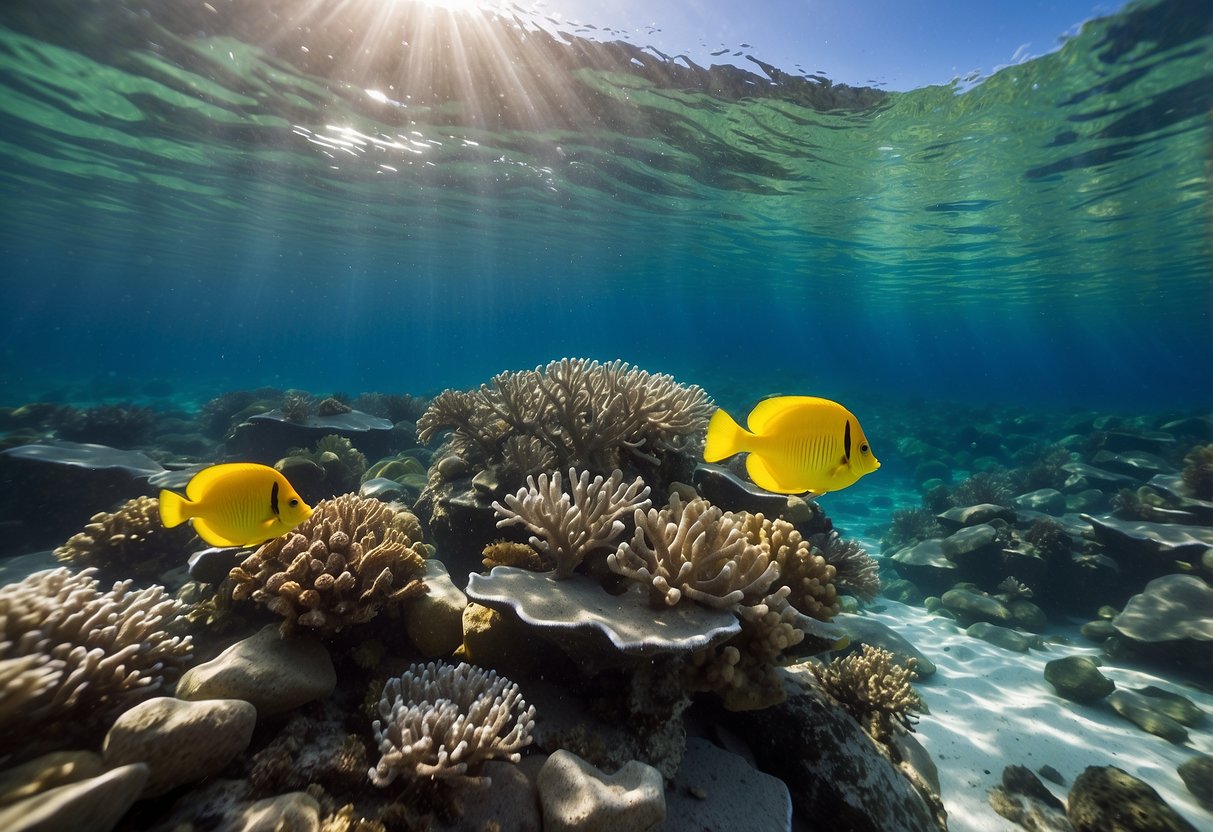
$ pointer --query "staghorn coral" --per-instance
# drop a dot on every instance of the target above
(1198, 472)
(443, 721)
(695, 550)
(809, 578)
(353, 556)
(129, 541)
(856, 571)
(567, 527)
(586, 413)
(66, 647)
(875, 690)
(505, 553)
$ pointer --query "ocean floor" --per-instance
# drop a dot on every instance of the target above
(991, 708)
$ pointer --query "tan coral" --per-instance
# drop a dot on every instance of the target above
(128, 541)
(336, 569)
(444, 721)
(567, 526)
(696, 550)
(66, 647)
(874, 689)
(506, 553)
(803, 570)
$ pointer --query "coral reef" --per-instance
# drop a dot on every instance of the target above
(128, 542)
(353, 556)
(392, 406)
(505, 553)
(66, 647)
(120, 426)
(911, 525)
(875, 690)
(343, 464)
(296, 405)
(855, 571)
(445, 721)
(568, 526)
(810, 580)
(994, 487)
(698, 551)
(586, 413)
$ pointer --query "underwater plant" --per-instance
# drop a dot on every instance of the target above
(338, 568)
(296, 405)
(446, 721)
(855, 571)
(910, 525)
(874, 689)
(993, 487)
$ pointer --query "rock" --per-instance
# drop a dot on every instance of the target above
(926, 565)
(181, 742)
(1082, 477)
(1162, 542)
(980, 514)
(1087, 500)
(1023, 799)
(1180, 708)
(903, 591)
(1197, 774)
(92, 805)
(863, 630)
(213, 564)
(87, 457)
(1109, 799)
(1001, 636)
(265, 437)
(1120, 441)
(1078, 679)
(1141, 711)
(1051, 774)
(1045, 500)
(1172, 609)
(576, 796)
(1141, 465)
(1028, 616)
(968, 540)
(510, 805)
(704, 794)
(839, 777)
(382, 489)
(499, 640)
(722, 487)
(274, 674)
(47, 772)
(434, 621)
(290, 812)
(973, 606)
(1098, 630)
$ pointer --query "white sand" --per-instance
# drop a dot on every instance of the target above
(991, 708)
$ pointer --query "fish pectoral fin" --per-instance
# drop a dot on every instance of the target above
(842, 466)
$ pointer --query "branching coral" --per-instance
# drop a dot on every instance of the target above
(698, 551)
(129, 541)
(67, 647)
(809, 578)
(566, 526)
(445, 721)
(339, 567)
(855, 570)
(586, 413)
(875, 690)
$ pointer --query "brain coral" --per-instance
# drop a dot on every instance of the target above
(582, 412)
(339, 567)
(66, 647)
(445, 721)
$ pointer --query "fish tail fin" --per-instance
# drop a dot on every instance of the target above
(174, 509)
(725, 437)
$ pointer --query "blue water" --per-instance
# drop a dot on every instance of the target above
(194, 204)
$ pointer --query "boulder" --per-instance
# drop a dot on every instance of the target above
(1045, 500)
(970, 606)
(1003, 637)
(705, 790)
(863, 630)
(1197, 774)
(1078, 679)
(926, 565)
(962, 516)
(1144, 713)
(1109, 799)
(434, 621)
(43, 773)
(92, 805)
(576, 797)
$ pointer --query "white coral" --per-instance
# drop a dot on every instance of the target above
(566, 526)
(698, 551)
(446, 721)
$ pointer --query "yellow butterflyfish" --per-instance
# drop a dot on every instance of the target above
(236, 504)
(796, 444)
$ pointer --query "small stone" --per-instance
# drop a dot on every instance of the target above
(434, 621)
(274, 674)
(290, 812)
(1139, 710)
(1109, 799)
(1003, 637)
(1099, 630)
(1197, 774)
(961, 516)
(973, 606)
(451, 467)
(576, 796)
(92, 805)
(798, 510)
(47, 772)
(181, 742)
(1051, 774)
(1078, 679)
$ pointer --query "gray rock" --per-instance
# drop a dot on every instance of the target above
(274, 674)
(1027, 616)
(1179, 495)
(1023, 799)
(40, 774)
(290, 812)
(962, 516)
(1109, 799)
(903, 591)
(1141, 711)
(970, 540)
(88, 456)
(1087, 500)
(705, 790)
(1163, 541)
(722, 487)
(1099, 630)
(213, 564)
(1122, 441)
(1141, 465)
(1197, 774)
(926, 566)
(92, 805)
(1003, 637)
(1045, 500)
(382, 489)
(1081, 477)
(576, 797)
(1078, 679)
(509, 805)
(973, 606)
(1171, 608)
(864, 630)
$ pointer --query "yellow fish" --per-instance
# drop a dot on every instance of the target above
(796, 444)
(237, 504)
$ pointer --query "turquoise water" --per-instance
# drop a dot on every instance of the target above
(196, 201)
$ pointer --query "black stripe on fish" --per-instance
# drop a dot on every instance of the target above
(274, 499)
(846, 442)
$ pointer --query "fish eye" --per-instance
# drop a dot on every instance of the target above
(863, 449)
(294, 502)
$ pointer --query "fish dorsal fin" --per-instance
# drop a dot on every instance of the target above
(769, 412)
(205, 479)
